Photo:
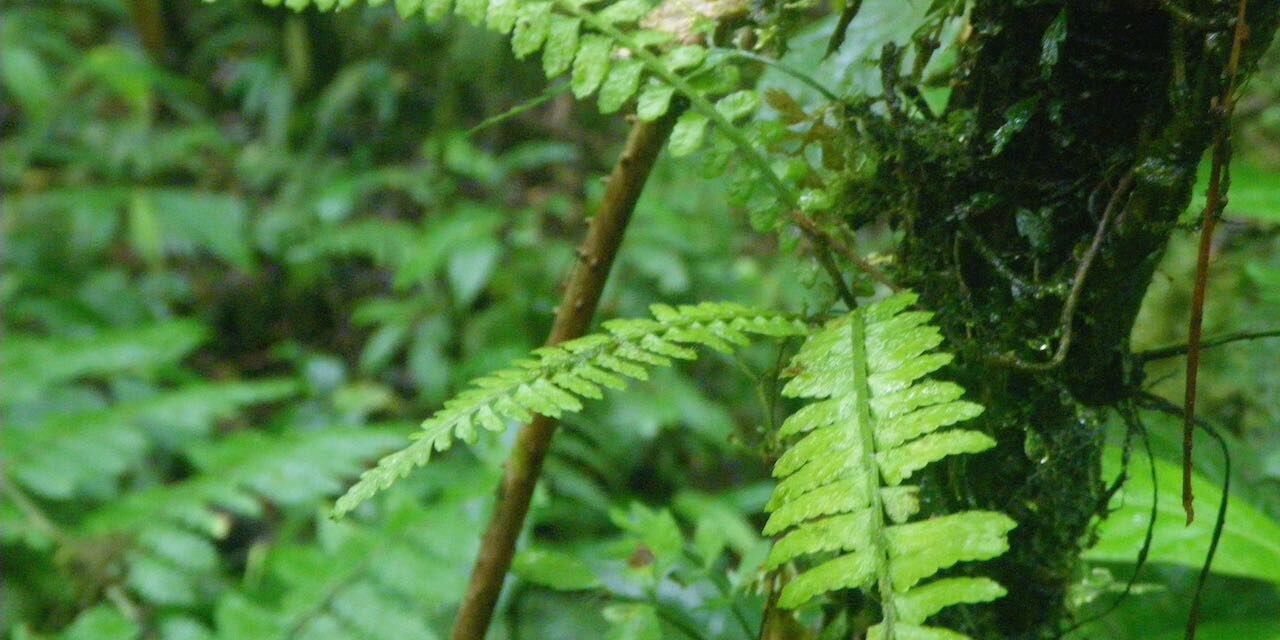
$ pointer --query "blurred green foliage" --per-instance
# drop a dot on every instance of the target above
(238, 269)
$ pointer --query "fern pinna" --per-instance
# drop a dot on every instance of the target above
(840, 504)
(556, 378)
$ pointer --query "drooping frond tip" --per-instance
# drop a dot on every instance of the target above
(555, 380)
(619, 51)
(840, 505)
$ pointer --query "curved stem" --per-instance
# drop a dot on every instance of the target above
(577, 306)
(1214, 201)
(1181, 349)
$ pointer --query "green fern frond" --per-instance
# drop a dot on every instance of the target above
(31, 364)
(78, 454)
(166, 535)
(840, 502)
(554, 381)
(397, 576)
(625, 51)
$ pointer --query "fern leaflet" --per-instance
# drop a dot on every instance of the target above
(553, 382)
(840, 501)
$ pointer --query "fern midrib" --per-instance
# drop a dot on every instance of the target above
(699, 103)
(879, 541)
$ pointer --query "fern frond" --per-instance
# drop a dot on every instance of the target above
(168, 533)
(398, 576)
(557, 378)
(31, 364)
(75, 454)
(628, 50)
(840, 502)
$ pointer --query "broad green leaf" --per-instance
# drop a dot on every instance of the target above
(1250, 545)
(554, 570)
(1254, 192)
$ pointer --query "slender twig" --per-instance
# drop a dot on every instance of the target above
(522, 108)
(1214, 202)
(1067, 319)
(1181, 349)
(577, 306)
(819, 236)
(780, 66)
(1152, 401)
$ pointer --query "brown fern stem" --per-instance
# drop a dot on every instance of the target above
(1212, 208)
(577, 306)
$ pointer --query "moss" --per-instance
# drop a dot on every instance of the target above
(998, 201)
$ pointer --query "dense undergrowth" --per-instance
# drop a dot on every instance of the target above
(242, 267)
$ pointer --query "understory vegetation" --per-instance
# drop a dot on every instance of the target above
(877, 331)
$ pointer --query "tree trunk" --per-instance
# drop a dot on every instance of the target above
(1067, 117)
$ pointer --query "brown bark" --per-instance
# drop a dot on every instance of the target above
(577, 306)
(1038, 209)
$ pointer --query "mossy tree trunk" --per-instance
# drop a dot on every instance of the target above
(1067, 117)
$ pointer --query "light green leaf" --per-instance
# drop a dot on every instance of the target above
(554, 570)
(920, 549)
(102, 623)
(917, 604)
(914, 632)
(501, 15)
(469, 269)
(407, 8)
(632, 622)
(686, 137)
(684, 57)
(620, 85)
(531, 28)
(738, 104)
(561, 45)
(624, 11)
(472, 11)
(591, 64)
(436, 10)
(1250, 545)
